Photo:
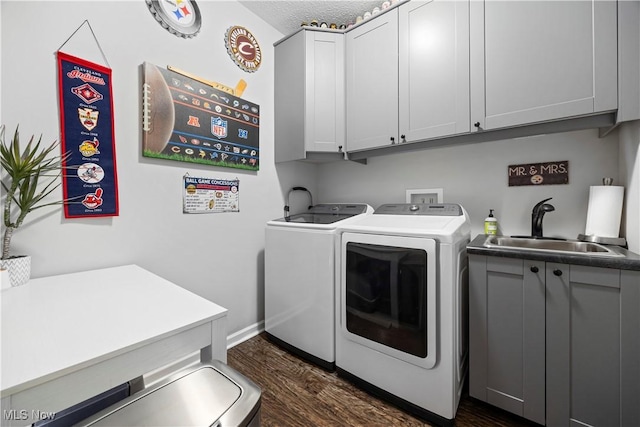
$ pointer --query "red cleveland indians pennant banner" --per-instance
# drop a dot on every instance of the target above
(87, 132)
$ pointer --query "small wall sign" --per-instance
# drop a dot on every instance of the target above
(181, 17)
(548, 173)
(210, 195)
(243, 48)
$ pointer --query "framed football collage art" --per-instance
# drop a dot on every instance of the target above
(189, 119)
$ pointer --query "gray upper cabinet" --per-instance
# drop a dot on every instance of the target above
(433, 69)
(408, 75)
(309, 96)
(432, 72)
(537, 61)
(372, 83)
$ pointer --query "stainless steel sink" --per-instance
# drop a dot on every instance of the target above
(573, 247)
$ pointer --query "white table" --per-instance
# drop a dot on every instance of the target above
(70, 337)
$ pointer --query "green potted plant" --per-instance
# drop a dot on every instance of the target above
(28, 177)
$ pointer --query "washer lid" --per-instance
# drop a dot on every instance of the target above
(447, 222)
(327, 213)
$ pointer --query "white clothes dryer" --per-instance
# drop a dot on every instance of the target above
(300, 279)
(401, 306)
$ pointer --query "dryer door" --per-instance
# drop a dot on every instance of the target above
(388, 295)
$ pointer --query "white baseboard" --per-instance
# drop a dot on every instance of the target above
(245, 334)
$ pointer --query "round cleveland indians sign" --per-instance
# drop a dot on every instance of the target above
(243, 48)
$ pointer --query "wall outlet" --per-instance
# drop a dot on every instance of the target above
(429, 195)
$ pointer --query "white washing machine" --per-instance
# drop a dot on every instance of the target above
(401, 306)
(300, 279)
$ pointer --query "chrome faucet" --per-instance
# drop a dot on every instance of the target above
(537, 214)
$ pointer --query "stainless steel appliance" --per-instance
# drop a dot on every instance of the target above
(211, 394)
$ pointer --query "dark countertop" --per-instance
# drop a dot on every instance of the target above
(630, 260)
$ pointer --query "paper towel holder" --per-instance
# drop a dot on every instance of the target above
(617, 241)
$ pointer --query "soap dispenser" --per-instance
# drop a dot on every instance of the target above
(491, 224)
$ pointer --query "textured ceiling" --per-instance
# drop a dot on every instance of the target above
(287, 15)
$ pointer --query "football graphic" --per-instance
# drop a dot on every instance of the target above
(158, 111)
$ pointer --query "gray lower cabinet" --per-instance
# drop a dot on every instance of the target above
(507, 333)
(558, 344)
(593, 329)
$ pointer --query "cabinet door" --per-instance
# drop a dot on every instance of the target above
(309, 95)
(534, 61)
(324, 97)
(506, 334)
(584, 345)
(433, 69)
(289, 82)
(372, 83)
(630, 347)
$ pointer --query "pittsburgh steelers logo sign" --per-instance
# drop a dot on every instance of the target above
(243, 48)
(179, 17)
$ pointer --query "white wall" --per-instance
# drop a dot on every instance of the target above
(475, 175)
(218, 256)
(630, 176)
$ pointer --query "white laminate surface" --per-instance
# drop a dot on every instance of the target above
(56, 326)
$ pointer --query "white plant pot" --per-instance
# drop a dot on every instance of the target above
(19, 269)
(5, 281)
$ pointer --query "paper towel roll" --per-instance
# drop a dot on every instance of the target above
(605, 210)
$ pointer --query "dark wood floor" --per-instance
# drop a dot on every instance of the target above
(296, 393)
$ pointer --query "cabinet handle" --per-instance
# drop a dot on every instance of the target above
(477, 124)
(393, 140)
(534, 269)
(557, 272)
